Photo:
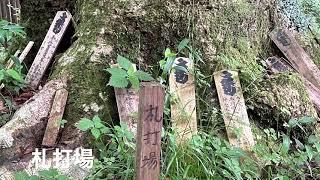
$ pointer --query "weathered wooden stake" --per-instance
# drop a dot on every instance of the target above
(183, 101)
(299, 59)
(22, 55)
(275, 65)
(26, 51)
(151, 106)
(55, 116)
(128, 103)
(234, 109)
(48, 48)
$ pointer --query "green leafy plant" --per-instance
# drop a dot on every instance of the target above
(95, 126)
(62, 123)
(167, 64)
(51, 174)
(115, 146)
(11, 35)
(125, 73)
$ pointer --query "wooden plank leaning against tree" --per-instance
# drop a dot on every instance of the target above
(298, 58)
(183, 101)
(233, 109)
(128, 103)
(48, 48)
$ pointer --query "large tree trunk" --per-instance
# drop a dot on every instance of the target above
(228, 34)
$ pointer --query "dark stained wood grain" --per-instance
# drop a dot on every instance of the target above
(151, 106)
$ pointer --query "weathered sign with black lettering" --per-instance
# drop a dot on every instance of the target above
(48, 48)
(298, 58)
(183, 101)
(151, 106)
(233, 109)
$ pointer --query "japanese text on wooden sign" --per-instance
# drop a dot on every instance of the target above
(149, 131)
(48, 48)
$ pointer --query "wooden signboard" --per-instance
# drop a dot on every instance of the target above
(55, 116)
(151, 106)
(299, 59)
(276, 65)
(48, 48)
(183, 101)
(233, 109)
(314, 92)
(128, 103)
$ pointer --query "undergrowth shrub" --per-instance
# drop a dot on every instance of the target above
(205, 156)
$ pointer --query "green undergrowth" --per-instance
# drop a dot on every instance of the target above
(205, 156)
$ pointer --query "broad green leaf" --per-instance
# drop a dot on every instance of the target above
(162, 63)
(285, 144)
(309, 152)
(14, 74)
(97, 122)
(96, 119)
(168, 53)
(117, 72)
(85, 124)
(23, 175)
(105, 130)
(143, 76)
(15, 60)
(181, 68)
(306, 120)
(62, 177)
(51, 173)
(168, 65)
(95, 132)
(62, 122)
(131, 71)
(124, 62)
(118, 82)
(134, 82)
(183, 44)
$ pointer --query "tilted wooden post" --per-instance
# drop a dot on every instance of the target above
(183, 101)
(56, 114)
(151, 106)
(22, 55)
(233, 109)
(299, 59)
(26, 51)
(48, 48)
